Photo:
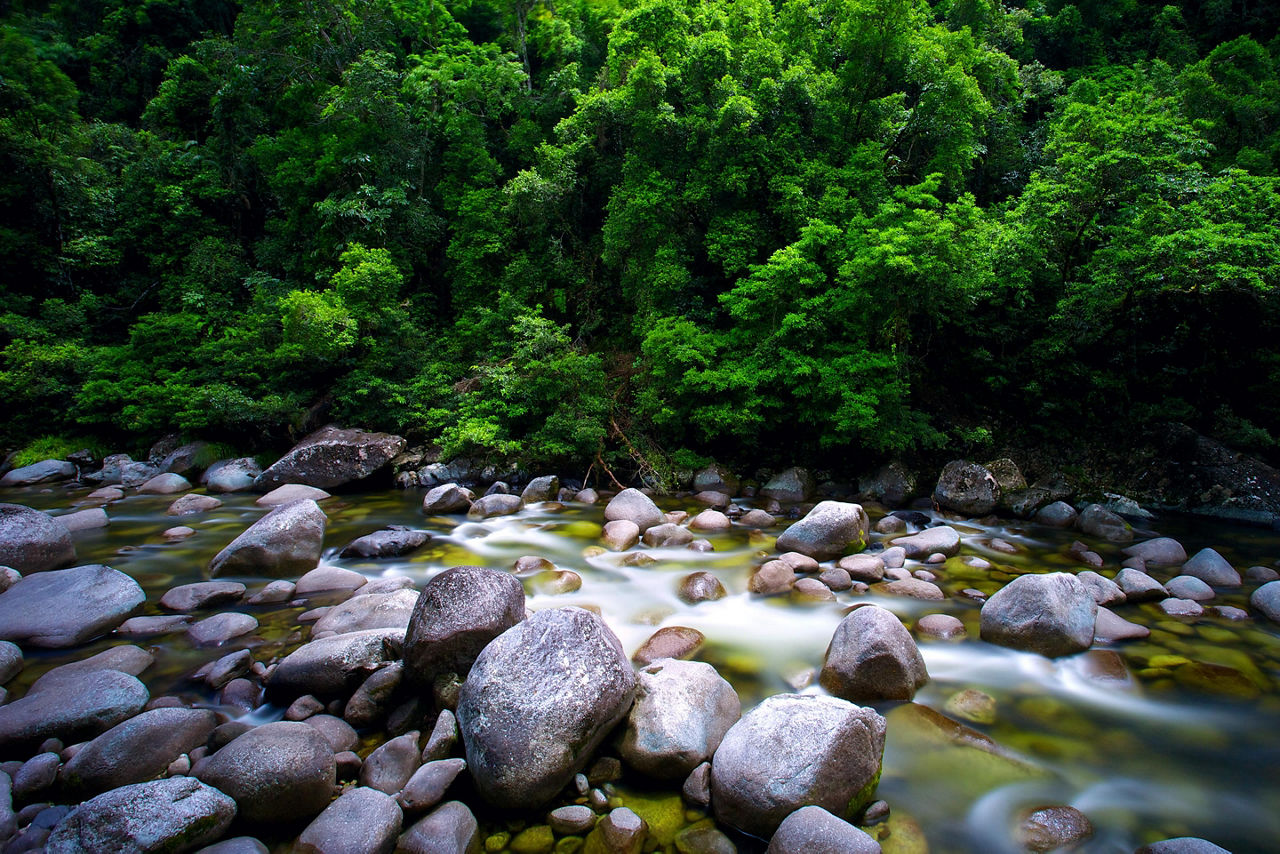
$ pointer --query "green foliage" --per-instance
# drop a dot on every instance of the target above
(51, 448)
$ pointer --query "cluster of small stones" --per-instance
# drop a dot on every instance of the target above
(537, 711)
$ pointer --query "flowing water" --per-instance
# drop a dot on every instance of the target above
(1179, 735)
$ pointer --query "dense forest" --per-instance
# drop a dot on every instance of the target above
(657, 230)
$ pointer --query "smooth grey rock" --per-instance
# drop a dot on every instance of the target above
(866, 568)
(192, 503)
(570, 820)
(11, 662)
(943, 540)
(540, 489)
(1189, 587)
(286, 541)
(74, 707)
(273, 593)
(66, 607)
(31, 541)
(757, 519)
(498, 504)
(233, 665)
(220, 628)
(1182, 845)
(700, 587)
(126, 659)
(941, 626)
(340, 734)
(620, 534)
(967, 488)
(391, 765)
(666, 535)
(458, 613)
(447, 498)
(718, 501)
(794, 750)
(1103, 589)
(369, 611)
(829, 530)
(428, 785)
(715, 478)
(538, 701)
(1212, 568)
(393, 542)
(45, 471)
(137, 750)
(167, 483)
(36, 775)
(373, 700)
(449, 829)
(1058, 514)
(278, 772)
(697, 786)
(1053, 828)
(1267, 600)
(148, 627)
(634, 506)
(290, 493)
(1051, 614)
(681, 712)
(334, 666)
(177, 814)
(813, 830)
(327, 579)
(792, 486)
(1161, 551)
(1138, 586)
(361, 821)
(872, 657)
(235, 475)
(201, 594)
(332, 457)
(1181, 607)
(236, 845)
(1097, 521)
(84, 520)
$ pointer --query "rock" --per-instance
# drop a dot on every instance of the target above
(1138, 586)
(634, 506)
(327, 579)
(813, 830)
(773, 578)
(967, 488)
(587, 496)
(1050, 614)
(873, 657)
(278, 772)
(84, 520)
(972, 705)
(191, 504)
(447, 498)
(1052, 828)
(829, 530)
(941, 626)
(836, 579)
(682, 710)
(273, 593)
(449, 829)
(571, 820)
(498, 504)
(715, 478)
(369, 611)
(339, 734)
(540, 489)
(1103, 589)
(867, 568)
(943, 540)
(811, 591)
(538, 701)
(202, 594)
(36, 776)
(362, 821)
(392, 542)
(236, 475)
(290, 493)
(669, 642)
(236, 845)
(31, 541)
(1260, 574)
(1162, 551)
(715, 500)
(912, 588)
(137, 750)
(710, 520)
(332, 457)
(757, 519)
(165, 484)
(700, 587)
(1182, 845)
(126, 659)
(666, 535)
(286, 541)
(220, 628)
(621, 534)
(1266, 599)
(66, 607)
(11, 662)
(1024, 503)
(334, 666)
(443, 738)
(555, 582)
(73, 708)
(177, 814)
(792, 486)
(893, 485)
(178, 532)
(1212, 568)
(104, 495)
(1181, 607)
(890, 525)
(45, 471)
(791, 751)
(231, 666)
(1097, 521)
(1059, 514)
(1189, 587)
(428, 784)
(459, 612)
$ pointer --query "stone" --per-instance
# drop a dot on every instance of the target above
(286, 541)
(1189, 587)
(872, 657)
(836, 579)
(1097, 521)
(67, 607)
(233, 665)
(1161, 551)
(794, 750)
(772, 578)
(700, 586)
(829, 530)
(718, 501)
(1181, 607)
(340, 735)
(45, 471)
(967, 488)
(334, 666)
(361, 821)
(1111, 627)
(137, 750)
(126, 659)
(941, 626)
(669, 642)
(443, 738)
(35, 776)
(449, 829)
(202, 594)
(943, 540)
(1052, 828)
(867, 568)
(634, 506)
(328, 579)
(236, 845)
(1051, 614)
(1058, 514)
(555, 582)
(332, 457)
(710, 520)
(681, 712)
(893, 485)
(73, 707)
(447, 498)
(192, 503)
(791, 486)
(392, 542)
(715, 478)
(972, 705)
(167, 483)
(497, 504)
(571, 820)
(178, 814)
(278, 772)
(620, 534)
(105, 495)
(84, 520)
(220, 628)
(236, 475)
(458, 613)
(291, 492)
(1024, 503)
(811, 591)
(1182, 845)
(1266, 599)
(1260, 574)
(890, 525)
(540, 489)
(1103, 589)
(31, 541)
(1212, 568)
(273, 593)
(178, 532)
(538, 701)
(11, 662)
(813, 830)
(389, 767)
(666, 535)
(587, 496)
(428, 785)
(1138, 586)
(369, 611)
(912, 588)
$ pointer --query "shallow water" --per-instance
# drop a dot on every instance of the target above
(1186, 741)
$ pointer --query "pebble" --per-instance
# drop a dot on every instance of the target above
(942, 626)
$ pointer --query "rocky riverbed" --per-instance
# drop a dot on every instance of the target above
(553, 669)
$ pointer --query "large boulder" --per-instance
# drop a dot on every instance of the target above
(1162, 551)
(362, 821)
(44, 471)
(279, 772)
(497, 504)
(682, 711)
(715, 478)
(829, 530)
(813, 830)
(893, 485)
(334, 666)
(1267, 600)
(872, 657)
(1097, 521)
(66, 607)
(793, 486)
(286, 541)
(31, 541)
(71, 708)
(136, 750)
(943, 539)
(794, 750)
(967, 488)
(236, 475)
(1051, 614)
(538, 701)
(458, 613)
(633, 505)
(331, 457)
(447, 498)
(178, 814)
(1212, 568)
(540, 489)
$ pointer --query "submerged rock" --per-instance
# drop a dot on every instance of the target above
(943, 540)
(66, 607)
